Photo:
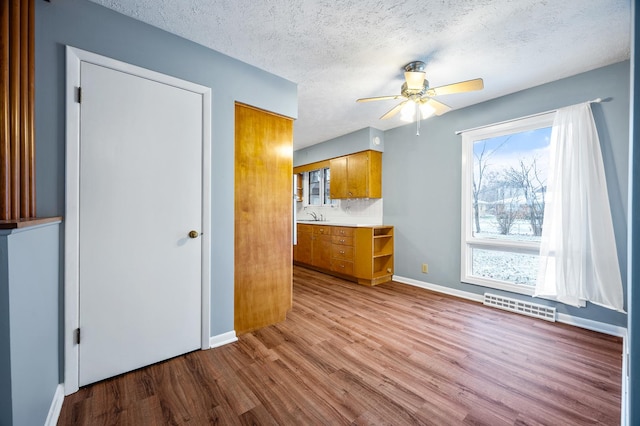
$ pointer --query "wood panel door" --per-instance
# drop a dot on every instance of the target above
(263, 217)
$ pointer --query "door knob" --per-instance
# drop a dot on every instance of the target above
(194, 234)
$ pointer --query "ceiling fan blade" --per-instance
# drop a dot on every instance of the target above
(379, 98)
(393, 111)
(463, 86)
(438, 107)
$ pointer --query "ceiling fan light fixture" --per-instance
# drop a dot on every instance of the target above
(408, 111)
(426, 110)
(415, 79)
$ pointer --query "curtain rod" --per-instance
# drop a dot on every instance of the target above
(596, 101)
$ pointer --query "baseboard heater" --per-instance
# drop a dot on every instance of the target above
(518, 306)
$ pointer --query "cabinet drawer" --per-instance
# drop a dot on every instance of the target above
(342, 231)
(341, 252)
(321, 229)
(344, 241)
(342, 266)
(305, 228)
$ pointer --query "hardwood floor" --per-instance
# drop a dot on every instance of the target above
(391, 354)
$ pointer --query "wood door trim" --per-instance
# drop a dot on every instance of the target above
(74, 57)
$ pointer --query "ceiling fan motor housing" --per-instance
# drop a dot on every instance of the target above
(408, 93)
(415, 66)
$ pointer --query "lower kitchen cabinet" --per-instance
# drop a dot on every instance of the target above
(360, 254)
(374, 257)
(342, 250)
(314, 246)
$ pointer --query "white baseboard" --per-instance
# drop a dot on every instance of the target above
(600, 327)
(222, 339)
(588, 324)
(440, 289)
(56, 406)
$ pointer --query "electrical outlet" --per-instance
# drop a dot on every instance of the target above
(425, 268)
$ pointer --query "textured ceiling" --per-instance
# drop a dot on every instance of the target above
(341, 50)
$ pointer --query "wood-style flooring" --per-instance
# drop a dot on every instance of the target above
(386, 355)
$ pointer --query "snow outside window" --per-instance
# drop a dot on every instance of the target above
(504, 180)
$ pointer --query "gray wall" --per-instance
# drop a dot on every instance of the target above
(422, 176)
(634, 231)
(357, 141)
(91, 27)
(29, 307)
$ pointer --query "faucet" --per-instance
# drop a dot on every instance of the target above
(314, 215)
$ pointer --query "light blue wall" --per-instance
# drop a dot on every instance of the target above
(29, 304)
(357, 141)
(6, 410)
(91, 27)
(422, 175)
(634, 231)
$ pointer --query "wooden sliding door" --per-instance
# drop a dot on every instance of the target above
(263, 216)
(17, 75)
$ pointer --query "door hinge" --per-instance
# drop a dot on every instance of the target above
(79, 94)
(77, 336)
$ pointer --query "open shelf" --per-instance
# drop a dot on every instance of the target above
(382, 246)
(382, 265)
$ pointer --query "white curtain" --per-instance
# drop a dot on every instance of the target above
(578, 256)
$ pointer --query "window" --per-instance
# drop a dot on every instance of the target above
(318, 184)
(504, 174)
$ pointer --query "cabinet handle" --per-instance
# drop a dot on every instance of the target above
(341, 251)
(342, 241)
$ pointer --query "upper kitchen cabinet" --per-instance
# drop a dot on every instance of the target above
(357, 175)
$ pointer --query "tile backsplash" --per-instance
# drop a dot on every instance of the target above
(350, 211)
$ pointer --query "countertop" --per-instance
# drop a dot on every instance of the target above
(337, 223)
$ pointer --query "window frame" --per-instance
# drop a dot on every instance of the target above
(306, 196)
(469, 242)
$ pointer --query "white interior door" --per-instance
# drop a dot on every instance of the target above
(140, 194)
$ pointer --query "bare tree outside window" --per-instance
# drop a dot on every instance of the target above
(506, 187)
(533, 185)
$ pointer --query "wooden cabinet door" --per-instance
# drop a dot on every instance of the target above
(263, 218)
(322, 251)
(339, 178)
(358, 175)
(302, 252)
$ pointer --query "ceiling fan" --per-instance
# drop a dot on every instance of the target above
(418, 97)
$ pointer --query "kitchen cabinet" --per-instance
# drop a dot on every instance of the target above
(360, 254)
(303, 249)
(298, 191)
(314, 246)
(374, 257)
(342, 250)
(357, 175)
(321, 247)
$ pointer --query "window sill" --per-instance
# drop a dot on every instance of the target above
(498, 285)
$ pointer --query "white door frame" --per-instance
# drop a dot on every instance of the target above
(71, 223)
